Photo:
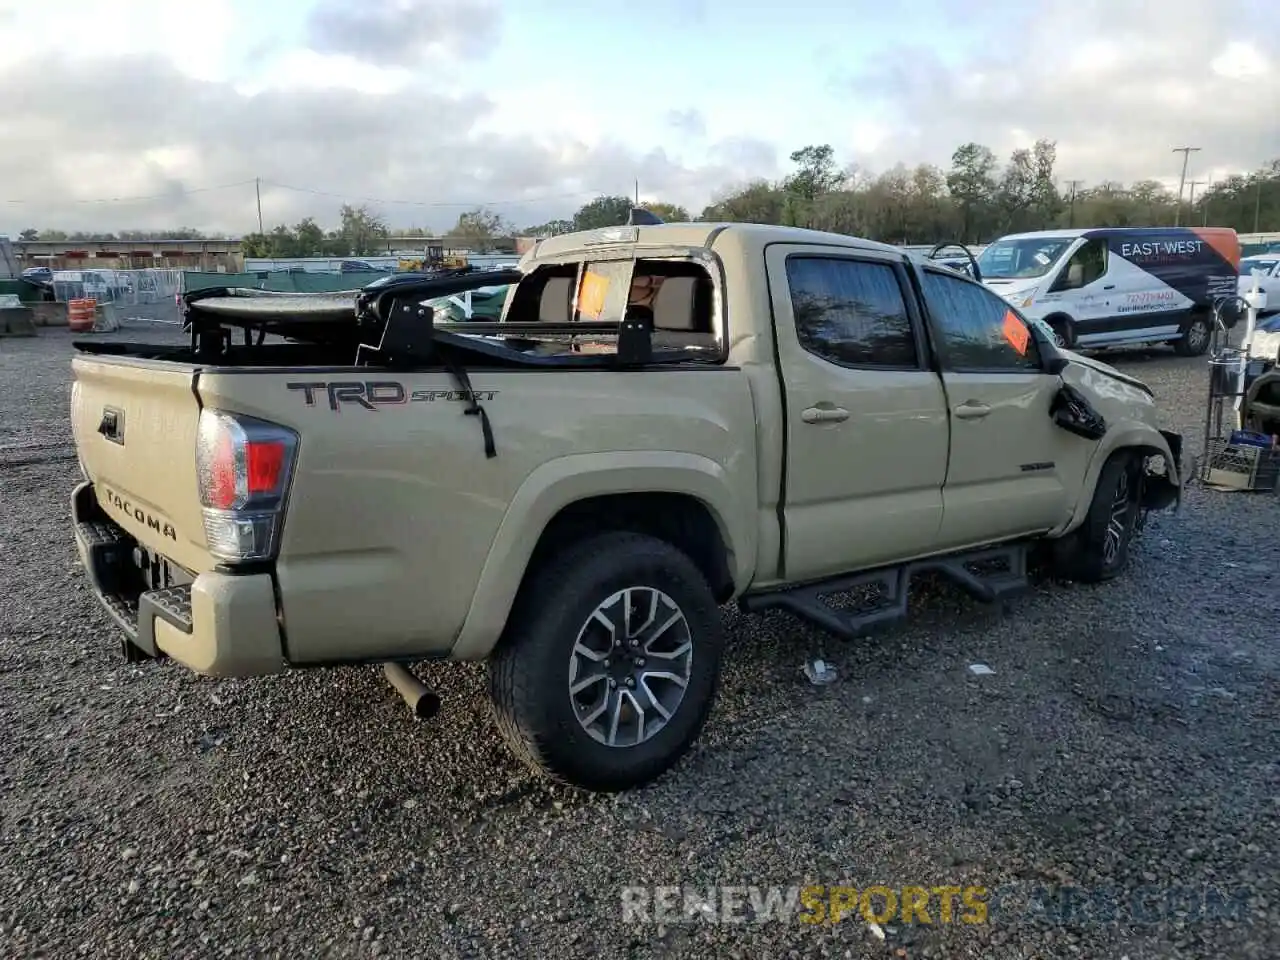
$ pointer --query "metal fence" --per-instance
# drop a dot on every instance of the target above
(126, 288)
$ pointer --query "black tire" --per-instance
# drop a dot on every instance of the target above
(1196, 334)
(1089, 554)
(529, 673)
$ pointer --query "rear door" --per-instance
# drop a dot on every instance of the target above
(135, 430)
(866, 420)
(1009, 470)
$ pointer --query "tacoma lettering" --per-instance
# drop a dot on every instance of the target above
(148, 520)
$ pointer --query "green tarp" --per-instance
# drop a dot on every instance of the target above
(1250, 249)
(27, 293)
(280, 282)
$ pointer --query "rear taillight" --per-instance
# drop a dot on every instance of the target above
(244, 466)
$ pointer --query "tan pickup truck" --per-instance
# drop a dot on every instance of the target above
(666, 419)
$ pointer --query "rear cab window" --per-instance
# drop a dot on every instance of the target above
(676, 296)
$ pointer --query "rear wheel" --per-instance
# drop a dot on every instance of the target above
(610, 662)
(1098, 549)
(1195, 336)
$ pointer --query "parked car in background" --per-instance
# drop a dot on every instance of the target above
(38, 276)
(485, 303)
(1266, 266)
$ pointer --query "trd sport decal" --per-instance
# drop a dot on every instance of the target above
(372, 394)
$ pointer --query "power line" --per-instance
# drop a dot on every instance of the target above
(154, 196)
(258, 182)
(436, 203)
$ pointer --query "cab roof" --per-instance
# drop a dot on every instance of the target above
(697, 234)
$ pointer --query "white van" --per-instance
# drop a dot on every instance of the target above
(1117, 286)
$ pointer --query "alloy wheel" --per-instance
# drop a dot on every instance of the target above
(630, 666)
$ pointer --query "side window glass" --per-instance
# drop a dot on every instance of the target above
(978, 330)
(851, 312)
(1086, 265)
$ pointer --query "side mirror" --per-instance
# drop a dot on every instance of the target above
(1229, 310)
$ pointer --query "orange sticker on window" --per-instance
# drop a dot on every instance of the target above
(591, 295)
(1016, 332)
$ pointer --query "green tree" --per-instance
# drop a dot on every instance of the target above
(972, 185)
(552, 228)
(309, 239)
(362, 231)
(478, 229)
(667, 212)
(816, 176)
(1044, 200)
(755, 202)
(816, 173)
(1012, 196)
(608, 211)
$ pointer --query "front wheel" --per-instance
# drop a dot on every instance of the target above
(1098, 549)
(1195, 337)
(610, 662)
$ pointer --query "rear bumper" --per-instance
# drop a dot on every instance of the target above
(221, 625)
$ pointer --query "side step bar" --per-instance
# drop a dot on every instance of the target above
(811, 601)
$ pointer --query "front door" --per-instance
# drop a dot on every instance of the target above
(1009, 472)
(866, 420)
(1088, 291)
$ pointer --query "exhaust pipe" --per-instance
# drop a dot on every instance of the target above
(421, 699)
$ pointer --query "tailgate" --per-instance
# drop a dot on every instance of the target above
(135, 431)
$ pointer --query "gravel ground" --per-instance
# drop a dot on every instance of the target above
(1125, 745)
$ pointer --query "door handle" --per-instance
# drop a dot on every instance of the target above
(112, 425)
(824, 415)
(972, 410)
(1109, 286)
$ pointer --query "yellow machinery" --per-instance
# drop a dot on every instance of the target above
(433, 259)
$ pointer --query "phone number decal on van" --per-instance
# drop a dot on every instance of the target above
(1150, 300)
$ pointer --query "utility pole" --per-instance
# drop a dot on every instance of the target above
(257, 189)
(1071, 214)
(1191, 202)
(1191, 197)
(1186, 155)
(637, 193)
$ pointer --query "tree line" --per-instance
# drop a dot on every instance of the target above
(975, 200)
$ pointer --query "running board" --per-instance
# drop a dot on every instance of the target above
(892, 584)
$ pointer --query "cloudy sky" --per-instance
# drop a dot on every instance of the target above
(424, 108)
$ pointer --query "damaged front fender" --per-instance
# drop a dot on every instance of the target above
(1162, 475)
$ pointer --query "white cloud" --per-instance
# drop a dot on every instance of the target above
(1241, 60)
(406, 100)
(196, 39)
(308, 70)
(1116, 84)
